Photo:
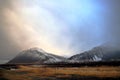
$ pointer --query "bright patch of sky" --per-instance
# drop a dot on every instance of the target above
(70, 26)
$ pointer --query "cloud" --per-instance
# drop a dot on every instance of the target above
(112, 28)
(7, 47)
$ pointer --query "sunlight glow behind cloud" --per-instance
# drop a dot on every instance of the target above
(63, 27)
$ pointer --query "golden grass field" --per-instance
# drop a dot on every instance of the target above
(36, 73)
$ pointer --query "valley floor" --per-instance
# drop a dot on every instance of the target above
(61, 73)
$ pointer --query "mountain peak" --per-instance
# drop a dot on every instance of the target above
(37, 56)
(37, 49)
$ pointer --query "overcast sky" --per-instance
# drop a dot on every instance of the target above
(62, 27)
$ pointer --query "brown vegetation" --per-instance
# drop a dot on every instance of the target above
(30, 72)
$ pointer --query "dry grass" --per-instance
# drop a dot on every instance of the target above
(28, 72)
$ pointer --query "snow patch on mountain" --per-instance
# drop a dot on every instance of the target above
(95, 58)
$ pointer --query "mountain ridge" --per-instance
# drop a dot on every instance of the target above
(100, 53)
(36, 55)
(39, 56)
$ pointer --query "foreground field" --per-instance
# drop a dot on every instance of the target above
(61, 73)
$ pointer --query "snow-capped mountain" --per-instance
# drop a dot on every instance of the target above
(100, 53)
(37, 56)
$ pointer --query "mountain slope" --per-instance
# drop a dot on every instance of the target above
(97, 54)
(37, 56)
